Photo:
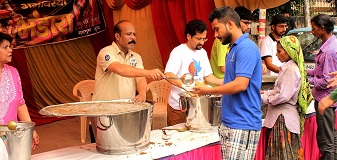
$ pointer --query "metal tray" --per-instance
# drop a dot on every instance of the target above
(95, 108)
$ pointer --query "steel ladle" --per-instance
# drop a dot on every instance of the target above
(187, 78)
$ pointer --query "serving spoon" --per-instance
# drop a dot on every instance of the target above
(187, 78)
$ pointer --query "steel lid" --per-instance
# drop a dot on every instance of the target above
(95, 108)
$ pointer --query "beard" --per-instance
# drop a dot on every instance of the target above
(198, 47)
(280, 34)
(246, 31)
(227, 38)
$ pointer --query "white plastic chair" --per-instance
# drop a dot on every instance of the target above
(83, 90)
(160, 92)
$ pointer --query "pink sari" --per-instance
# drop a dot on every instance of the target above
(11, 96)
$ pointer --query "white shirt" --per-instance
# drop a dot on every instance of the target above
(268, 48)
(184, 60)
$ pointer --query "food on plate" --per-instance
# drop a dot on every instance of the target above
(200, 83)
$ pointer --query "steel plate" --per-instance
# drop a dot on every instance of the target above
(94, 108)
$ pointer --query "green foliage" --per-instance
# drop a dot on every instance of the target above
(295, 7)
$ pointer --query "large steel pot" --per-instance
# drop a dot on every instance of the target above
(125, 133)
(210, 109)
(122, 126)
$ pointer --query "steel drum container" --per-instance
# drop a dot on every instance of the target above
(124, 133)
(210, 108)
(122, 126)
(18, 142)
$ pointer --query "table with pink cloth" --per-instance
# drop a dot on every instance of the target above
(185, 145)
(308, 139)
(181, 146)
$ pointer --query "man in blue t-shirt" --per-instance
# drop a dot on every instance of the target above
(241, 100)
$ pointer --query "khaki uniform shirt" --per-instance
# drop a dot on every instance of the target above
(109, 85)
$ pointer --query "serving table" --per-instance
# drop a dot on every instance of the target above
(181, 145)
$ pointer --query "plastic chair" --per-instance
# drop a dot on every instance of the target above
(83, 90)
(160, 92)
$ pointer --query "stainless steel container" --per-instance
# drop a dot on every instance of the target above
(125, 133)
(210, 107)
(122, 126)
(19, 142)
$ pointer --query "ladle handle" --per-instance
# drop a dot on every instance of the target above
(168, 78)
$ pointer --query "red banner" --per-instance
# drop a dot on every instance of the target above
(36, 22)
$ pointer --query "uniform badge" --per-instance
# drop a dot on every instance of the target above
(107, 57)
(133, 62)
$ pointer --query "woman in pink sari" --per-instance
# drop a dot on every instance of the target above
(12, 104)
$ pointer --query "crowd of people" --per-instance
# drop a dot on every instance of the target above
(235, 71)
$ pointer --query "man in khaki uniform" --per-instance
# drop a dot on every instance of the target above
(120, 71)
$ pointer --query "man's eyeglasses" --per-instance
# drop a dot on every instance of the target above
(282, 26)
(247, 22)
(201, 39)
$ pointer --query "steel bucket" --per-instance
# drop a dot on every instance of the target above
(125, 133)
(19, 142)
(210, 109)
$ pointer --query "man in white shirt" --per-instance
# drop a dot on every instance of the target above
(189, 57)
(268, 44)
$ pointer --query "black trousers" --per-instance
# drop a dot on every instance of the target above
(326, 133)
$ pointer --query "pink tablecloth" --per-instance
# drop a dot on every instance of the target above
(308, 140)
(209, 152)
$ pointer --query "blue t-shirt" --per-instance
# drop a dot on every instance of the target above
(243, 110)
